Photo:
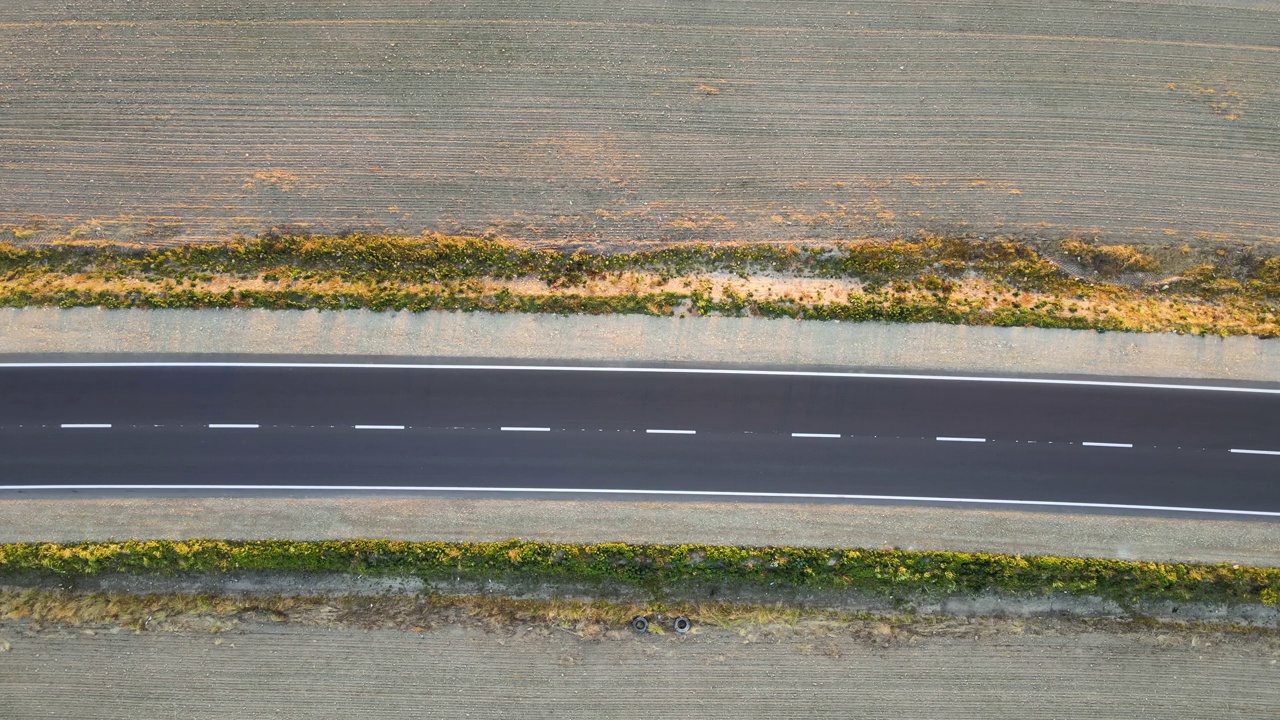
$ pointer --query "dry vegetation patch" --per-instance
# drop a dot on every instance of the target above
(1001, 281)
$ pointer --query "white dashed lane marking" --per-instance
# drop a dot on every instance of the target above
(651, 431)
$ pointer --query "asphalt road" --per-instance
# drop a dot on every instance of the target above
(686, 431)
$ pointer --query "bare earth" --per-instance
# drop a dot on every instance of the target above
(998, 670)
(614, 120)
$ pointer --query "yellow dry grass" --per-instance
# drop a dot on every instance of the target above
(1140, 310)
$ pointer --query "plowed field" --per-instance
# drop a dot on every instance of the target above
(1022, 671)
(611, 120)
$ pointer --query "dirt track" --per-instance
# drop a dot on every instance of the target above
(296, 672)
(617, 121)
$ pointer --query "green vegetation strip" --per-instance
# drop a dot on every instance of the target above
(957, 280)
(663, 568)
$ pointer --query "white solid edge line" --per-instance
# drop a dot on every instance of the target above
(85, 425)
(526, 429)
(233, 426)
(1102, 444)
(690, 493)
(814, 435)
(1255, 452)
(694, 371)
(959, 439)
(653, 431)
(378, 427)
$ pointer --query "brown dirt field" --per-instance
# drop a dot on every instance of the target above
(996, 670)
(616, 121)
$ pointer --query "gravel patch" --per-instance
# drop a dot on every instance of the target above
(637, 339)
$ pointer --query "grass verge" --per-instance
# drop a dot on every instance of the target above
(957, 280)
(663, 569)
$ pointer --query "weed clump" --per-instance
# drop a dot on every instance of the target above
(1110, 260)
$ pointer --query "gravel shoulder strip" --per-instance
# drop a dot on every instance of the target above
(825, 525)
(635, 339)
(298, 672)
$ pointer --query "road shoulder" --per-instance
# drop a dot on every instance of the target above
(49, 333)
(1157, 539)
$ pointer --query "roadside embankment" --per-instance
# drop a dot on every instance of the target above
(883, 582)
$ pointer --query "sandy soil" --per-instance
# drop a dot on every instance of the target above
(994, 670)
(613, 120)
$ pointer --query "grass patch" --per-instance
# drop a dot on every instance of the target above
(663, 569)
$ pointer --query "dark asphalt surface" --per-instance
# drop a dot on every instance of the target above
(598, 440)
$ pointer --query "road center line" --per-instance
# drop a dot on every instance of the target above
(1255, 452)
(1102, 444)
(378, 427)
(653, 431)
(233, 426)
(814, 435)
(526, 429)
(960, 439)
(81, 426)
